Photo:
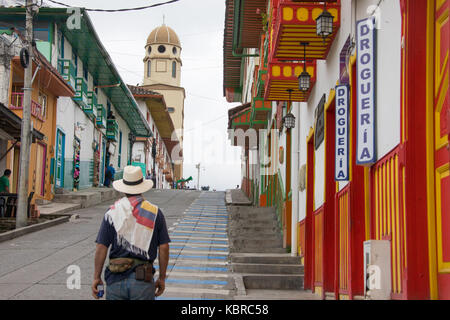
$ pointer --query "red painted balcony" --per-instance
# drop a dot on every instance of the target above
(295, 22)
(284, 76)
(17, 104)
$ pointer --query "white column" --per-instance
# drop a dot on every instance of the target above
(295, 168)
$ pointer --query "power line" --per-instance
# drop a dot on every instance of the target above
(119, 10)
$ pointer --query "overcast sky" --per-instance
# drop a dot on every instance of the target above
(199, 25)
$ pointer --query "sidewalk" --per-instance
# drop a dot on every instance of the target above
(71, 200)
(58, 210)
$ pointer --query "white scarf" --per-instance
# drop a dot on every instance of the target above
(131, 235)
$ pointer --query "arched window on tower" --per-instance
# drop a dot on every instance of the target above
(149, 68)
(174, 69)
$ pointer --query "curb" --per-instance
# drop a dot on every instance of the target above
(9, 235)
(240, 286)
(63, 212)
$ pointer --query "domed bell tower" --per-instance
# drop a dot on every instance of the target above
(162, 62)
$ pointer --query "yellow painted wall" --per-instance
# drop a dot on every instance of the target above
(48, 128)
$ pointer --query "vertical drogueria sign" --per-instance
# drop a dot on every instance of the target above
(342, 130)
(365, 70)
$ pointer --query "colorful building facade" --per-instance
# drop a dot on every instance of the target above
(155, 153)
(94, 122)
(368, 157)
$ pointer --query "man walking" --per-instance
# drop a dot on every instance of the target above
(4, 181)
(109, 175)
(134, 228)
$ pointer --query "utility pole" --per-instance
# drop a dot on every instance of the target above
(198, 176)
(25, 135)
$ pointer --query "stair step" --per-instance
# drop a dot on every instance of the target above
(268, 259)
(258, 250)
(273, 281)
(246, 224)
(262, 228)
(257, 236)
(329, 296)
(256, 243)
(260, 268)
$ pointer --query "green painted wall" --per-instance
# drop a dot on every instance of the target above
(86, 174)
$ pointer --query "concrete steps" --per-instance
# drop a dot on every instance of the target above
(265, 258)
(257, 253)
(273, 281)
(266, 268)
(268, 271)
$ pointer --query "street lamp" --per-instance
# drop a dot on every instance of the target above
(289, 119)
(324, 24)
(304, 79)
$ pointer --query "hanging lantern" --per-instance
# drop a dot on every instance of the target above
(304, 79)
(324, 24)
(289, 121)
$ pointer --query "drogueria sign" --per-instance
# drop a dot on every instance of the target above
(365, 70)
(342, 143)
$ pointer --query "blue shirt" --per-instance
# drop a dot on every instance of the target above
(107, 236)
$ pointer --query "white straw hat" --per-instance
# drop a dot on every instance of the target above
(133, 181)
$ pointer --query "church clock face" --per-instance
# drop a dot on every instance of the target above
(161, 49)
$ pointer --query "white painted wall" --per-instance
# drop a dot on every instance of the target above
(388, 85)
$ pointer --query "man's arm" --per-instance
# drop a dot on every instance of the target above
(163, 259)
(100, 257)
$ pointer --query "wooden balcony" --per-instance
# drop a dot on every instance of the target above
(101, 116)
(16, 103)
(81, 92)
(260, 111)
(67, 71)
(112, 128)
(242, 120)
(295, 22)
(91, 107)
(283, 76)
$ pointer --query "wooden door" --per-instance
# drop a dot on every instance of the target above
(41, 155)
(329, 222)
(441, 116)
(343, 256)
(60, 142)
(309, 227)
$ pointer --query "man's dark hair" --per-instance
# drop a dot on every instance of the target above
(7, 172)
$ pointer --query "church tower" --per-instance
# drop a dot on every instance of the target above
(162, 74)
(162, 57)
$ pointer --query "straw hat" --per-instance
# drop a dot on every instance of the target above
(133, 181)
